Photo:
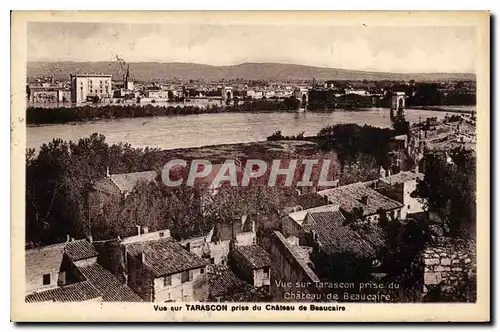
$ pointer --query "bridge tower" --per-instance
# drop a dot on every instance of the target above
(227, 94)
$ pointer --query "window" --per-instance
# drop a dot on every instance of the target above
(184, 277)
(408, 206)
(167, 281)
(202, 270)
(162, 234)
(212, 260)
(266, 272)
(46, 279)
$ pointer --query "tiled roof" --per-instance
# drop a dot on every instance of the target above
(222, 281)
(350, 197)
(310, 200)
(402, 177)
(255, 256)
(81, 291)
(112, 289)
(165, 256)
(80, 249)
(335, 236)
(126, 181)
(299, 216)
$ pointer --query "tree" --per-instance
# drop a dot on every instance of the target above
(449, 189)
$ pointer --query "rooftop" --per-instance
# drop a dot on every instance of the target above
(255, 256)
(222, 281)
(80, 249)
(335, 236)
(299, 216)
(358, 195)
(165, 256)
(91, 75)
(402, 177)
(112, 289)
(81, 291)
(126, 181)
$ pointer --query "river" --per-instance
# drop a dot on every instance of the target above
(169, 132)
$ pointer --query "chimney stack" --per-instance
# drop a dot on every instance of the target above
(143, 257)
(145, 230)
(68, 238)
(138, 229)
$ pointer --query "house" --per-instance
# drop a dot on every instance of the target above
(116, 185)
(43, 267)
(251, 263)
(225, 286)
(342, 250)
(291, 266)
(162, 270)
(359, 201)
(400, 187)
(69, 272)
(78, 292)
(243, 231)
(292, 224)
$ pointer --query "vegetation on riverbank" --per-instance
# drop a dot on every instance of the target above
(40, 115)
(60, 174)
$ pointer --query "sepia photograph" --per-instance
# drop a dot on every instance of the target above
(215, 166)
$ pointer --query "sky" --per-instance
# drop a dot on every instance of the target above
(384, 49)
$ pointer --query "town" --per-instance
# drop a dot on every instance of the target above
(109, 89)
(404, 226)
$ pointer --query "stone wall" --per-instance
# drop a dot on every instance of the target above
(448, 269)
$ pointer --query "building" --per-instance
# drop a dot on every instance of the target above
(225, 286)
(291, 272)
(359, 201)
(69, 272)
(240, 230)
(292, 224)
(400, 187)
(116, 185)
(90, 87)
(51, 94)
(162, 270)
(342, 250)
(157, 94)
(252, 264)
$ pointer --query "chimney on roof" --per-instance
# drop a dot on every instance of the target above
(90, 239)
(68, 238)
(143, 257)
(145, 230)
(138, 229)
(364, 199)
(107, 171)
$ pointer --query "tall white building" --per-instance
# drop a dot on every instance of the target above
(84, 86)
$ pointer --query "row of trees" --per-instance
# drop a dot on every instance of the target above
(41, 115)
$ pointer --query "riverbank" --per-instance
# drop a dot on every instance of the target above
(62, 115)
(448, 108)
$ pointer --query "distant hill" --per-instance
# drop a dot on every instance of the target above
(149, 71)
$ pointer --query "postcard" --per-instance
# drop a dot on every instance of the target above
(250, 166)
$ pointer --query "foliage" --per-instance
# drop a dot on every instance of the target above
(40, 115)
(58, 179)
(350, 139)
(449, 189)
